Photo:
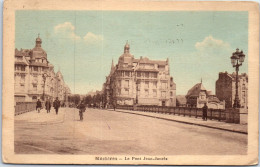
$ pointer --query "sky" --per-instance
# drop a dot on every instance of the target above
(82, 44)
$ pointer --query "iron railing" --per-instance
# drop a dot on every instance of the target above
(23, 107)
(228, 115)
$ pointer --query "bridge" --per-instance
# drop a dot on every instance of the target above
(125, 132)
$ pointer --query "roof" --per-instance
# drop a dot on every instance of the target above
(38, 64)
(146, 60)
(181, 99)
(20, 62)
(125, 69)
(209, 93)
(196, 89)
(143, 69)
(233, 75)
(22, 52)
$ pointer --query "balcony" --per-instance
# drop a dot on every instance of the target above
(35, 92)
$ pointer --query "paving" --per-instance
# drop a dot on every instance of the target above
(104, 132)
(232, 127)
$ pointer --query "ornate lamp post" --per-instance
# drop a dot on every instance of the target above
(237, 59)
(44, 76)
(137, 92)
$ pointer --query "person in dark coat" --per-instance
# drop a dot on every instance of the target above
(82, 109)
(56, 105)
(205, 112)
(48, 105)
(38, 105)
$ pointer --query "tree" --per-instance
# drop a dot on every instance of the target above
(88, 100)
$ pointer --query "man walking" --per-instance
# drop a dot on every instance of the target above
(48, 105)
(205, 112)
(38, 105)
(82, 109)
(56, 105)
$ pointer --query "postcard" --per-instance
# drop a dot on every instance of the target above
(130, 82)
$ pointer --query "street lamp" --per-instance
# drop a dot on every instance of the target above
(137, 87)
(44, 76)
(237, 59)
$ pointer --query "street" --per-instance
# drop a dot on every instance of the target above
(108, 132)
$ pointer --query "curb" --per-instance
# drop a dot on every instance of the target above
(190, 123)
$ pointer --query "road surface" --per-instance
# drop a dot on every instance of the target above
(109, 132)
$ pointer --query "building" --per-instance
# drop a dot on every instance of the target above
(181, 101)
(226, 88)
(139, 81)
(34, 75)
(197, 96)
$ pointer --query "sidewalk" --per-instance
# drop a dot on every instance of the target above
(237, 128)
(42, 118)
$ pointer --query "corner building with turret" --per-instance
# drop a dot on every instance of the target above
(139, 82)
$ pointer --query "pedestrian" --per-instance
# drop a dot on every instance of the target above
(205, 112)
(82, 109)
(56, 105)
(48, 105)
(38, 105)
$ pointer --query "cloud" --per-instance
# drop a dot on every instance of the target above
(92, 38)
(66, 29)
(213, 46)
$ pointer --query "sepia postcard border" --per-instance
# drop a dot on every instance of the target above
(10, 6)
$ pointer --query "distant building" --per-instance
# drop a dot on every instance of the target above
(197, 96)
(226, 88)
(139, 81)
(29, 67)
(181, 101)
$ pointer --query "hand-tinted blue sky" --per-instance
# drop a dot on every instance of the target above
(83, 43)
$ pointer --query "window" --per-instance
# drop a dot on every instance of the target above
(127, 83)
(22, 78)
(154, 85)
(119, 91)
(146, 93)
(146, 85)
(127, 91)
(154, 93)
(171, 93)
(163, 85)
(163, 94)
(147, 75)
(138, 74)
(138, 92)
(203, 97)
(35, 68)
(22, 68)
(138, 84)
(154, 75)
(119, 83)
(35, 79)
(34, 87)
(243, 87)
(127, 74)
(161, 68)
(22, 86)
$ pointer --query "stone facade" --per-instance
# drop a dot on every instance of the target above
(29, 68)
(226, 88)
(139, 81)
